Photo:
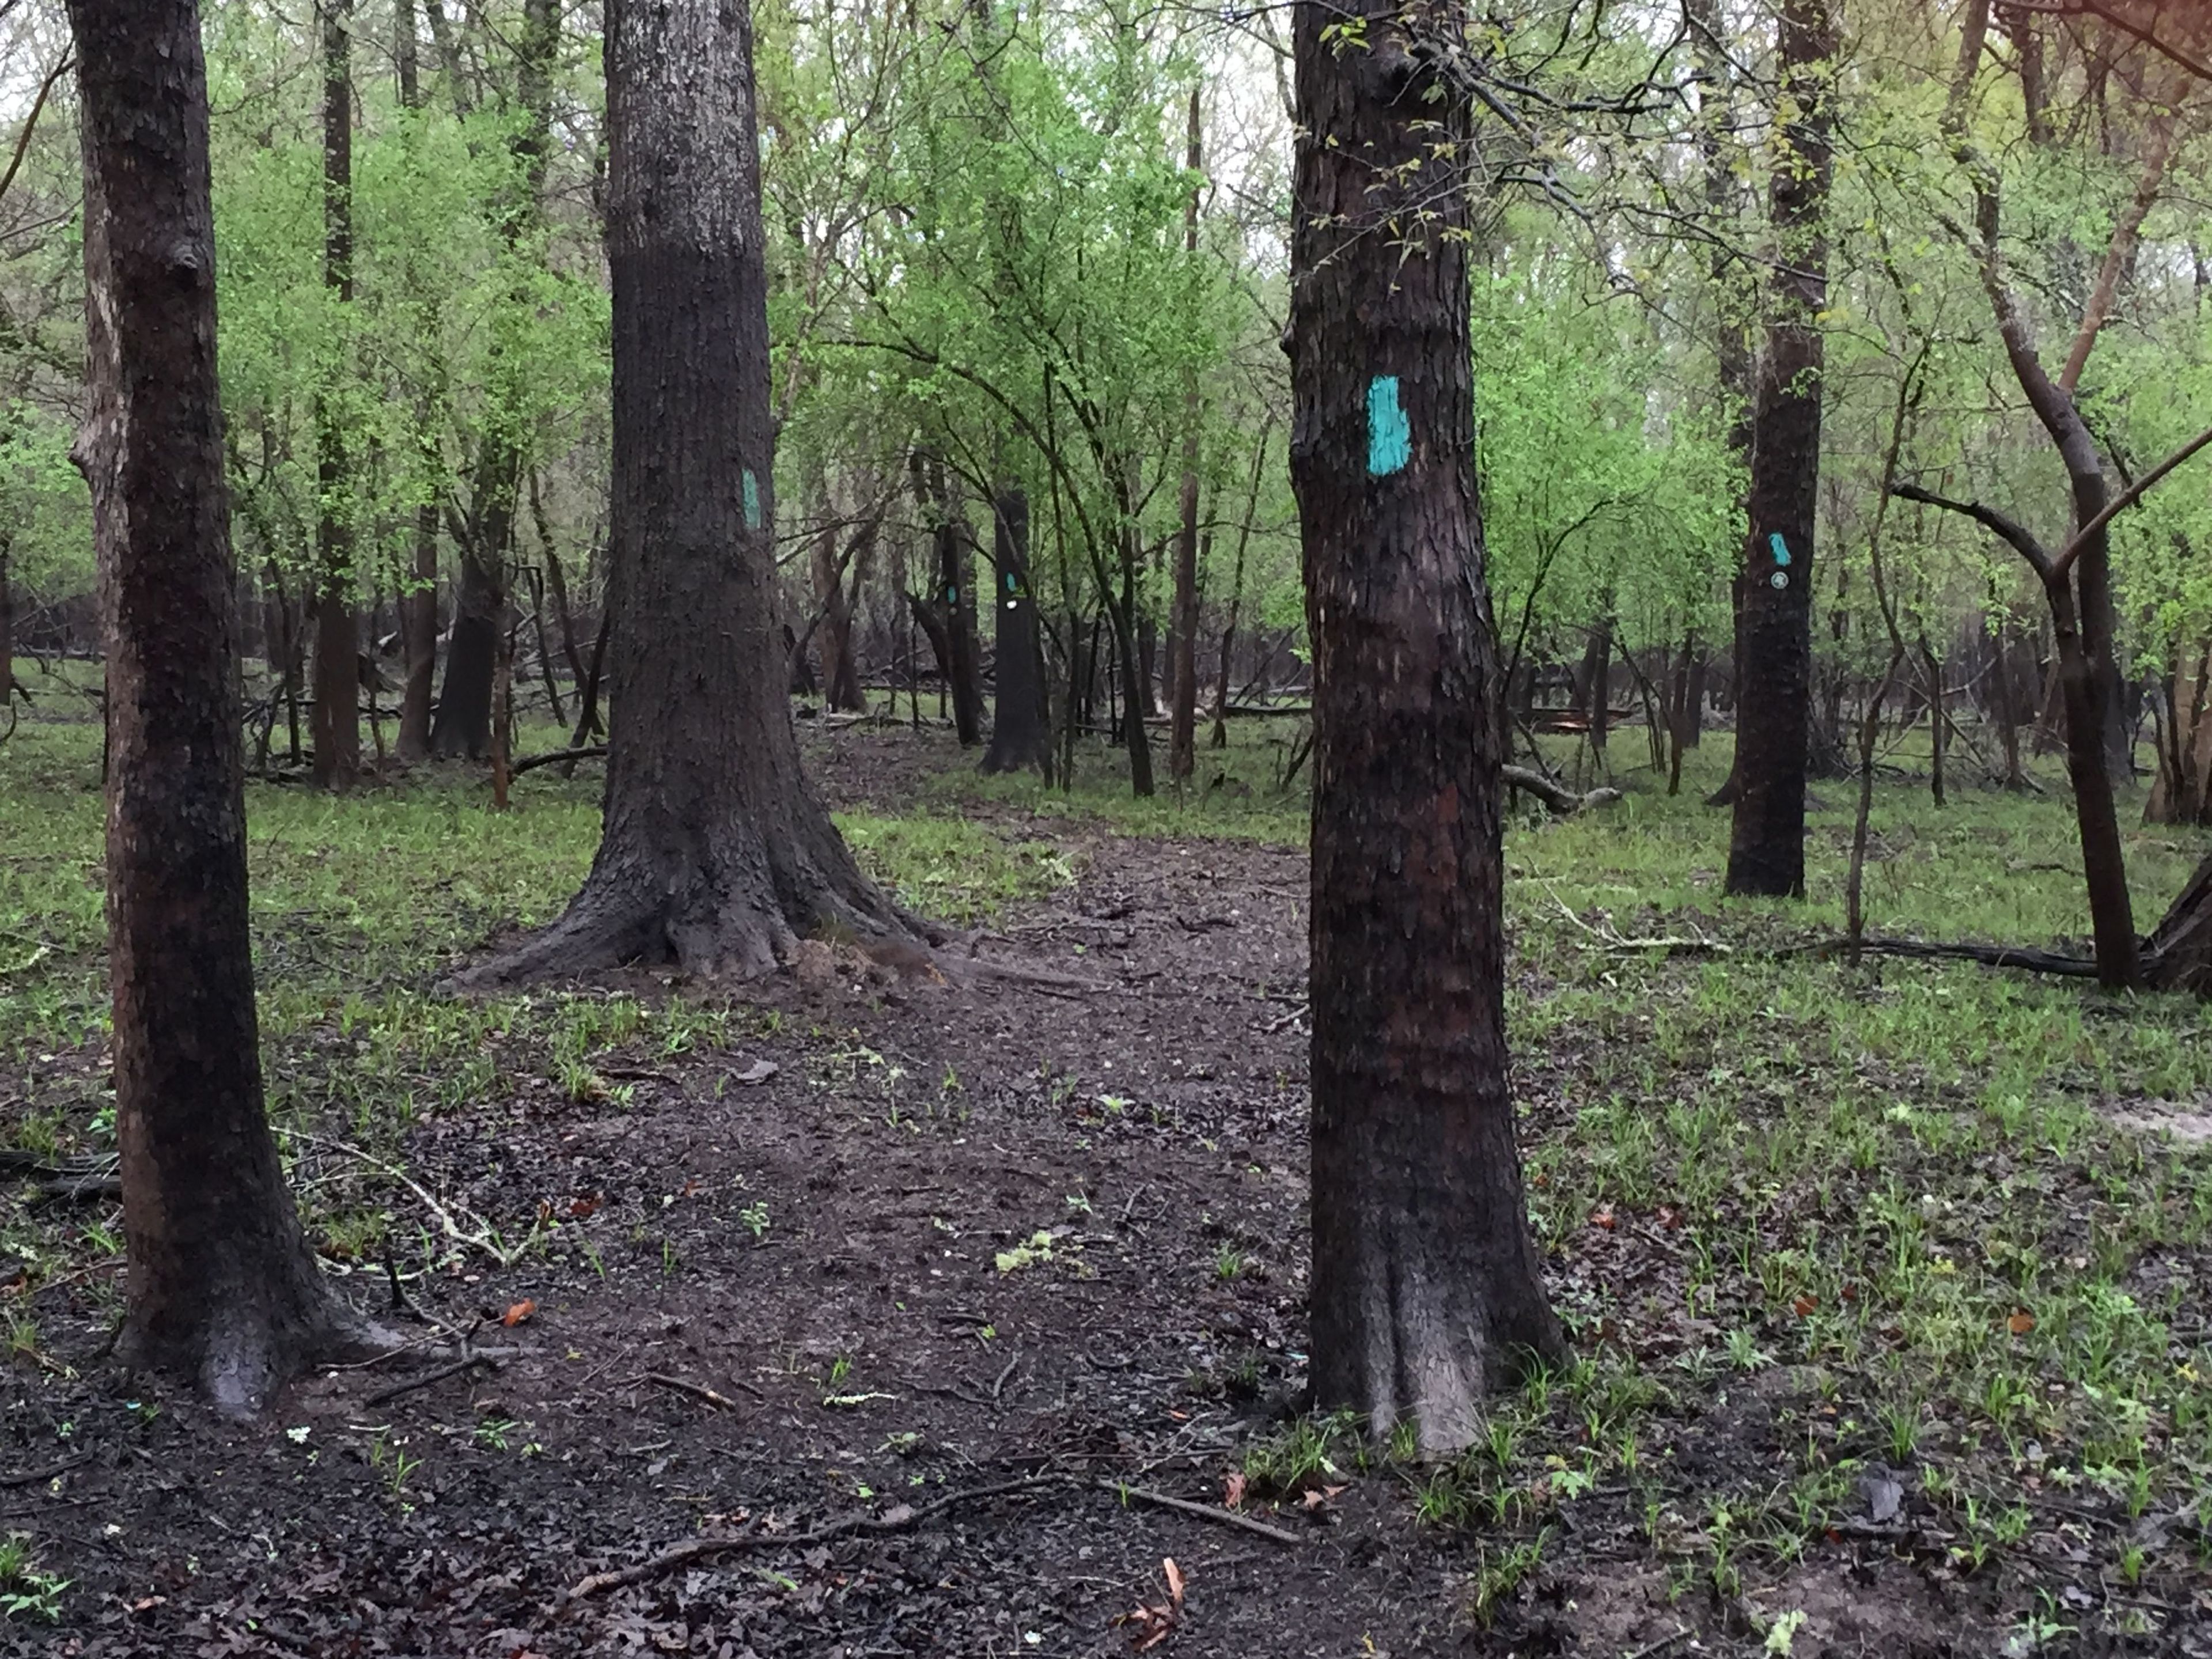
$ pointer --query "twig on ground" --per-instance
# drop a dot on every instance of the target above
(999, 1387)
(1289, 1018)
(900, 1518)
(467, 1361)
(506, 1256)
(12, 1482)
(700, 1391)
(1202, 1511)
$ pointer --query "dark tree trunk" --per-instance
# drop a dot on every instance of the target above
(715, 853)
(338, 633)
(841, 673)
(1426, 1294)
(1182, 643)
(2005, 697)
(1021, 733)
(1939, 730)
(1134, 646)
(464, 719)
(949, 616)
(10, 688)
(2178, 956)
(1597, 682)
(222, 1288)
(418, 601)
(1774, 703)
(1220, 739)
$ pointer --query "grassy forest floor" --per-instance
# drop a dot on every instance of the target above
(1888, 1286)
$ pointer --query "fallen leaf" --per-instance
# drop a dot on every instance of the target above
(518, 1312)
(1150, 1625)
(1602, 1218)
(759, 1072)
(898, 1514)
(1669, 1217)
(1804, 1305)
(2022, 1323)
(1232, 1491)
(580, 1208)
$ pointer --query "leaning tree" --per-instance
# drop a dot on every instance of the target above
(1426, 1290)
(714, 853)
(222, 1288)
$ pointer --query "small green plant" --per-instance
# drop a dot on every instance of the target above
(754, 1219)
(492, 1432)
(1500, 1574)
(1230, 1263)
(26, 1591)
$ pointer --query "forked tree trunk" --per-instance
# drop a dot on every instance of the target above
(1427, 1293)
(338, 631)
(841, 674)
(713, 853)
(1774, 667)
(222, 1288)
(1020, 732)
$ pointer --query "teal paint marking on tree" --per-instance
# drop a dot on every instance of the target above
(1390, 439)
(1779, 548)
(752, 500)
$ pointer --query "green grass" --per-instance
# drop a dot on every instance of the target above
(1884, 1210)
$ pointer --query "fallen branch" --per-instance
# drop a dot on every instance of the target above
(452, 1229)
(699, 1390)
(900, 1518)
(530, 763)
(466, 1362)
(1561, 799)
(1993, 956)
(1219, 1517)
(11, 1482)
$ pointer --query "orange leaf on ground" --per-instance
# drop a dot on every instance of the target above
(1232, 1490)
(1602, 1218)
(518, 1312)
(2022, 1323)
(1804, 1305)
(581, 1208)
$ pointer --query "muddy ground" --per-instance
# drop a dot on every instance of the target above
(966, 1234)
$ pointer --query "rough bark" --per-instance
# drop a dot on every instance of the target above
(2182, 793)
(1774, 705)
(714, 853)
(222, 1290)
(2178, 956)
(337, 718)
(1426, 1294)
(1021, 730)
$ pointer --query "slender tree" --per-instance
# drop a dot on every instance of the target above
(338, 633)
(1774, 668)
(418, 604)
(1426, 1293)
(1182, 635)
(1021, 729)
(222, 1288)
(713, 853)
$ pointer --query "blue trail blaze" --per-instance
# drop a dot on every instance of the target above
(1390, 439)
(752, 500)
(1779, 547)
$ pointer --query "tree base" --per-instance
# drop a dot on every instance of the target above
(2178, 955)
(741, 917)
(238, 1348)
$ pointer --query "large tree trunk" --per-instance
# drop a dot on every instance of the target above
(714, 854)
(1774, 704)
(1426, 1294)
(338, 631)
(222, 1288)
(1020, 732)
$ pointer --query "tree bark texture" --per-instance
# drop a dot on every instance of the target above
(1021, 730)
(713, 853)
(2178, 956)
(1774, 707)
(841, 671)
(2182, 791)
(337, 720)
(1426, 1291)
(222, 1288)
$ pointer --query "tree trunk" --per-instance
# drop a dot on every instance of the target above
(841, 674)
(1938, 720)
(1021, 733)
(2178, 956)
(714, 853)
(337, 632)
(2006, 699)
(10, 688)
(222, 1290)
(2182, 793)
(418, 601)
(1220, 739)
(462, 726)
(1182, 644)
(1774, 704)
(1426, 1294)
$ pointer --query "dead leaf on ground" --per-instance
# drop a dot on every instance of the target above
(518, 1312)
(1152, 1624)
(759, 1072)
(1232, 1490)
(1317, 1498)
(2022, 1323)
